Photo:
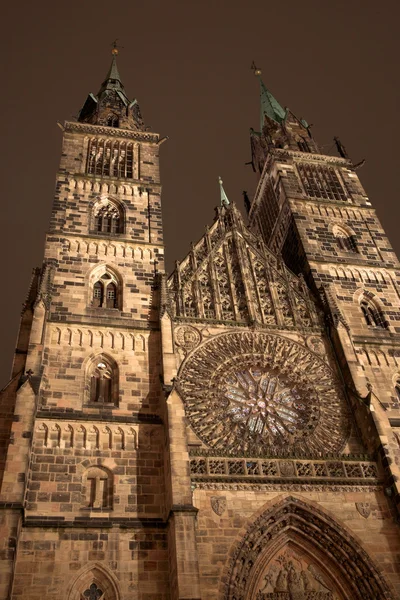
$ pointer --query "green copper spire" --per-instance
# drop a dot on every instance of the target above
(269, 105)
(224, 197)
(113, 78)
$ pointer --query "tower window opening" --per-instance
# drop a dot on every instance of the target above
(111, 295)
(105, 292)
(397, 389)
(110, 158)
(372, 315)
(321, 182)
(107, 218)
(101, 384)
(98, 488)
(112, 121)
(303, 145)
(98, 292)
(345, 241)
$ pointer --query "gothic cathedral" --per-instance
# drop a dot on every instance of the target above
(228, 432)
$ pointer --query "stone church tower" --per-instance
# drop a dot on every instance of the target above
(229, 432)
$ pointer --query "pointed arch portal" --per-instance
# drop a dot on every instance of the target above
(294, 551)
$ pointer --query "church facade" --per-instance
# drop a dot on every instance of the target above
(228, 432)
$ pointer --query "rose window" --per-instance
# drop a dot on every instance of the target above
(259, 393)
(265, 404)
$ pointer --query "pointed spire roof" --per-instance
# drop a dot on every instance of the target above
(111, 106)
(113, 78)
(224, 197)
(268, 104)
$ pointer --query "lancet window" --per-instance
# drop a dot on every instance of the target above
(112, 121)
(103, 381)
(344, 240)
(99, 488)
(105, 292)
(107, 218)
(111, 158)
(373, 317)
(397, 389)
(321, 182)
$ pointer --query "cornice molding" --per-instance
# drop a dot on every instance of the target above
(311, 157)
(99, 130)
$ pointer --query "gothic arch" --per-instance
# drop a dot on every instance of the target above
(98, 575)
(345, 237)
(110, 208)
(331, 557)
(372, 308)
(106, 275)
(101, 383)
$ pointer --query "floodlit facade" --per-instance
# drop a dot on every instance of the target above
(228, 432)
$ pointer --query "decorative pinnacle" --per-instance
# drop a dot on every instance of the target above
(224, 197)
(256, 70)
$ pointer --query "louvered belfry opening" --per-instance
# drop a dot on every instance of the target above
(110, 158)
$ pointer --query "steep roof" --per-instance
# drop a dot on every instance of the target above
(231, 276)
(111, 106)
(270, 106)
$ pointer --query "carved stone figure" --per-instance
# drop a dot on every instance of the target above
(187, 337)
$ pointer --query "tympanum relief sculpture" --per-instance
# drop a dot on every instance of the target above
(291, 577)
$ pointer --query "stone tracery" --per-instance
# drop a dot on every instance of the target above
(247, 392)
(230, 275)
(293, 550)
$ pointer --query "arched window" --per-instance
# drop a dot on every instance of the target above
(303, 145)
(372, 315)
(98, 488)
(346, 241)
(105, 292)
(397, 389)
(98, 293)
(103, 381)
(107, 218)
(112, 121)
(110, 158)
(93, 592)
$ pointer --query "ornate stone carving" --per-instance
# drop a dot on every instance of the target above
(316, 345)
(187, 337)
(218, 504)
(364, 508)
(115, 132)
(249, 391)
(290, 576)
(230, 275)
(258, 468)
(285, 487)
(286, 468)
(256, 570)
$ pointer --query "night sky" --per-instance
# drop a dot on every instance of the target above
(188, 64)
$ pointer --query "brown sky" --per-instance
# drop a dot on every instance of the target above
(188, 63)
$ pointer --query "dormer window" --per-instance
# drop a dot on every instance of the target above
(112, 121)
